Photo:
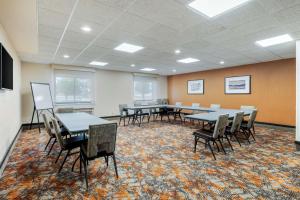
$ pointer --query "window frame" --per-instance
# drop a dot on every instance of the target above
(154, 92)
(75, 74)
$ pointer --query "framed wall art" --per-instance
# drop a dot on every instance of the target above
(238, 85)
(195, 86)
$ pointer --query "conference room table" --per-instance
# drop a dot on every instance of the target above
(209, 114)
(213, 116)
(79, 122)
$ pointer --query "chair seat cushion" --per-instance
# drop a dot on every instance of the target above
(244, 126)
(74, 141)
(205, 134)
(228, 129)
(99, 154)
(64, 132)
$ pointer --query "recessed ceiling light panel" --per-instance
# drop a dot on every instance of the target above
(66, 56)
(97, 63)
(188, 60)
(132, 65)
(275, 40)
(129, 48)
(148, 69)
(213, 8)
(222, 62)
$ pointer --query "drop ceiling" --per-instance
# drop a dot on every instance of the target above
(161, 27)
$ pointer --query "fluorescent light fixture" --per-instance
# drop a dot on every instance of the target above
(222, 62)
(177, 51)
(97, 63)
(66, 56)
(174, 70)
(148, 69)
(213, 8)
(86, 28)
(132, 65)
(275, 40)
(129, 48)
(188, 60)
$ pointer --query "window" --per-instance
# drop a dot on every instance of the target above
(145, 88)
(72, 87)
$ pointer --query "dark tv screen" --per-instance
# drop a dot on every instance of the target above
(6, 69)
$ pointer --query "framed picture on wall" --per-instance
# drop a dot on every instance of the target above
(195, 86)
(238, 85)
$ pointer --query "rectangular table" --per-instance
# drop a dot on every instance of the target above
(210, 115)
(214, 114)
(79, 122)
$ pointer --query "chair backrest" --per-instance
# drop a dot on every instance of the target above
(145, 103)
(243, 107)
(102, 138)
(237, 121)
(195, 104)
(47, 124)
(122, 109)
(57, 132)
(164, 101)
(178, 104)
(220, 126)
(158, 101)
(65, 110)
(215, 106)
(252, 119)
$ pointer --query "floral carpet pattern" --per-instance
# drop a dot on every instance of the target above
(156, 161)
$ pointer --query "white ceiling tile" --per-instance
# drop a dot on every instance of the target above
(273, 6)
(48, 31)
(289, 15)
(52, 19)
(61, 6)
(133, 24)
(78, 37)
(116, 3)
(162, 33)
(95, 12)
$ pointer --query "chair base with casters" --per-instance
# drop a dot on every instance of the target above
(84, 161)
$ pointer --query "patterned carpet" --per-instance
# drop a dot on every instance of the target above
(156, 161)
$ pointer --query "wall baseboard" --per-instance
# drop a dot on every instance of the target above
(297, 143)
(8, 151)
(26, 126)
(273, 124)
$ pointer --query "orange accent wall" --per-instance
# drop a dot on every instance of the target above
(273, 90)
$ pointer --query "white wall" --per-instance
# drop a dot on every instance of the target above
(10, 101)
(298, 91)
(112, 88)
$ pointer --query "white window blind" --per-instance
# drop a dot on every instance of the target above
(145, 88)
(73, 87)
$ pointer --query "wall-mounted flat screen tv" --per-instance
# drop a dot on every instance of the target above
(6, 69)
